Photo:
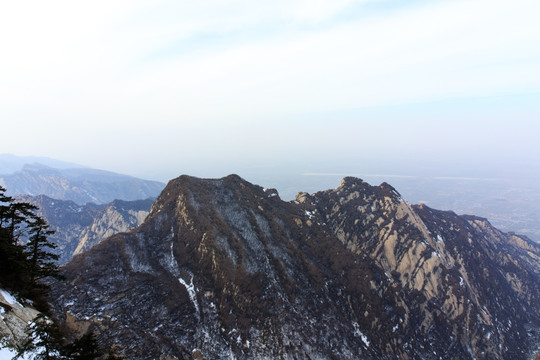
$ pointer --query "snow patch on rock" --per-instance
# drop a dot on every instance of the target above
(10, 299)
(359, 333)
(191, 292)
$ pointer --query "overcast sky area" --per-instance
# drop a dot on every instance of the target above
(160, 88)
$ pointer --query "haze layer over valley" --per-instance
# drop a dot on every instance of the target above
(508, 197)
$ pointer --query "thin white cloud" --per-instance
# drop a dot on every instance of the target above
(135, 66)
(455, 49)
(314, 11)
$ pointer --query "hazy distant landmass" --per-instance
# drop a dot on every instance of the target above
(79, 184)
(12, 163)
(509, 198)
(510, 202)
(510, 205)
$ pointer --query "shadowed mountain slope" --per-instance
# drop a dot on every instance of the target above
(223, 268)
(79, 227)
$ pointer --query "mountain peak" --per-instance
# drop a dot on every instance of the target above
(226, 268)
(210, 190)
(193, 182)
(352, 182)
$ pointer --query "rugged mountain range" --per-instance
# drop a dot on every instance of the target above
(222, 268)
(81, 185)
(79, 227)
(10, 163)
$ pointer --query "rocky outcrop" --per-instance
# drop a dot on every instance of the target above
(222, 268)
(471, 272)
(79, 227)
(14, 320)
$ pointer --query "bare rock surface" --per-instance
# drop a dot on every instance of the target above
(14, 320)
(222, 268)
(79, 227)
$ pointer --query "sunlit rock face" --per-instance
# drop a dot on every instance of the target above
(14, 321)
(470, 273)
(223, 268)
(79, 227)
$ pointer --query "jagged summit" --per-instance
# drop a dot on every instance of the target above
(195, 184)
(351, 181)
(224, 268)
(230, 180)
(353, 184)
(189, 193)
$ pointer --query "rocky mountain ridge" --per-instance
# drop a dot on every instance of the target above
(10, 163)
(79, 227)
(222, 268)
(81, 185)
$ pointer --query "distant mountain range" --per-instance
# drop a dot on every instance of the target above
(79, 227)
(222, 268)
(82, 205)
(10, 163)
(78, 184)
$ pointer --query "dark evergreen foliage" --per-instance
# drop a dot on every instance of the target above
(25, 261)
(113, 354)
(46, 341)
(41, 262)
(84, 348)
(13, 260)
(24, 249)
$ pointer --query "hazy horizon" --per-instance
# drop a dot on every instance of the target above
(510, 201)
(159, 89)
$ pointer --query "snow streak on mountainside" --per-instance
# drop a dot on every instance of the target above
(222, 268)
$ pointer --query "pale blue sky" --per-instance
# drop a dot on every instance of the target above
(160, 88)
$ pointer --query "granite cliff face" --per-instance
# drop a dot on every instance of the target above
(14, 320)
(79, 227)
(470, 273)
(223, 268)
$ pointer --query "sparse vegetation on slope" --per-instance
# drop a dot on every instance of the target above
(26, 261)
(224, 268)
